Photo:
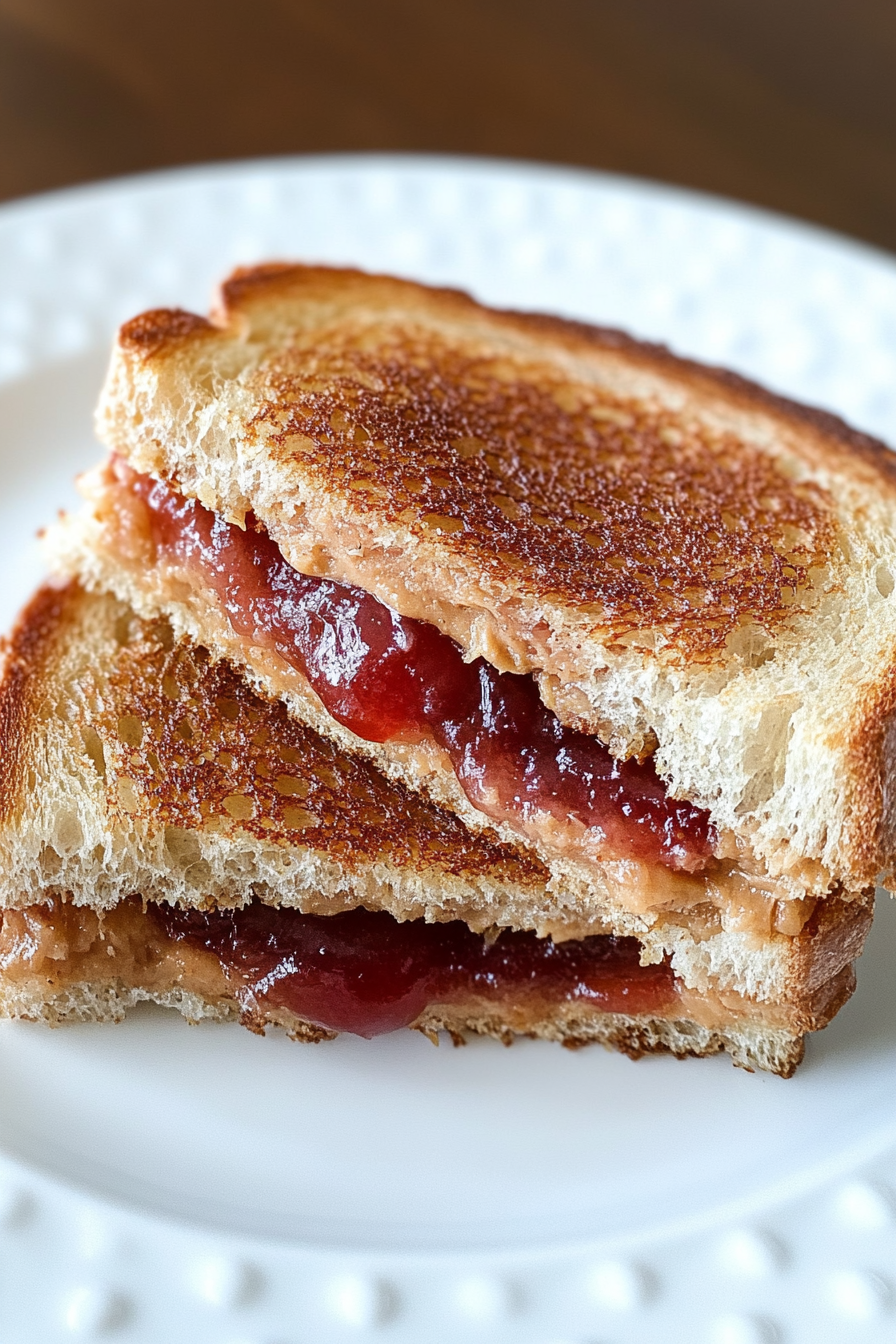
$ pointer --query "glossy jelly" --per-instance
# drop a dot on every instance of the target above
(389, 677)
(364, 972)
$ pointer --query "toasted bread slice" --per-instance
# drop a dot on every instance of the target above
(683, 561)
(132, 763)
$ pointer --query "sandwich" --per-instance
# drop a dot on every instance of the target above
(168, 834)
(628, 615)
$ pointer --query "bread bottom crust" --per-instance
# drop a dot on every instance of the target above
(773, 1050)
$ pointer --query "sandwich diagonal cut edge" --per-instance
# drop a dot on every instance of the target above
(757, 962)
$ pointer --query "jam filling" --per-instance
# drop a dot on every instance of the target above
(364, 972)
(392, 678)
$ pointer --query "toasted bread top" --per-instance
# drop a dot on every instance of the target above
(685, 561)
(480, 434)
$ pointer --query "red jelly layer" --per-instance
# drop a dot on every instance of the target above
(364, 972)
(388, 677)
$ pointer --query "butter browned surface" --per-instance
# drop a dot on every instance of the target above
(613, 506)
(604, 503)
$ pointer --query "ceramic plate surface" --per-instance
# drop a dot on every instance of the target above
(166, 1183)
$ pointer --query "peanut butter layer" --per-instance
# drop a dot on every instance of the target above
(58, 946)
(63, 944)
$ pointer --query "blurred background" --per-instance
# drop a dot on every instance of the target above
(786, 103)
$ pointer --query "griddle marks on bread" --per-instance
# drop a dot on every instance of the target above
(657, 528)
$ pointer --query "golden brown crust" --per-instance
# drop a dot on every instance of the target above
(250, 286)
(871, 746)
(200, 745)
(610, 505)
(603, 505)
(156, 331)
(831, 430)
(248, 283)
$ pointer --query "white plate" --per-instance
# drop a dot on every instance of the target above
(164, 1183)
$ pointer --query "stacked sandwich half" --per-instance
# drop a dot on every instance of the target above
(414, 663)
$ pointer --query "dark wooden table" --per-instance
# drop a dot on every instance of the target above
(787, 103)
